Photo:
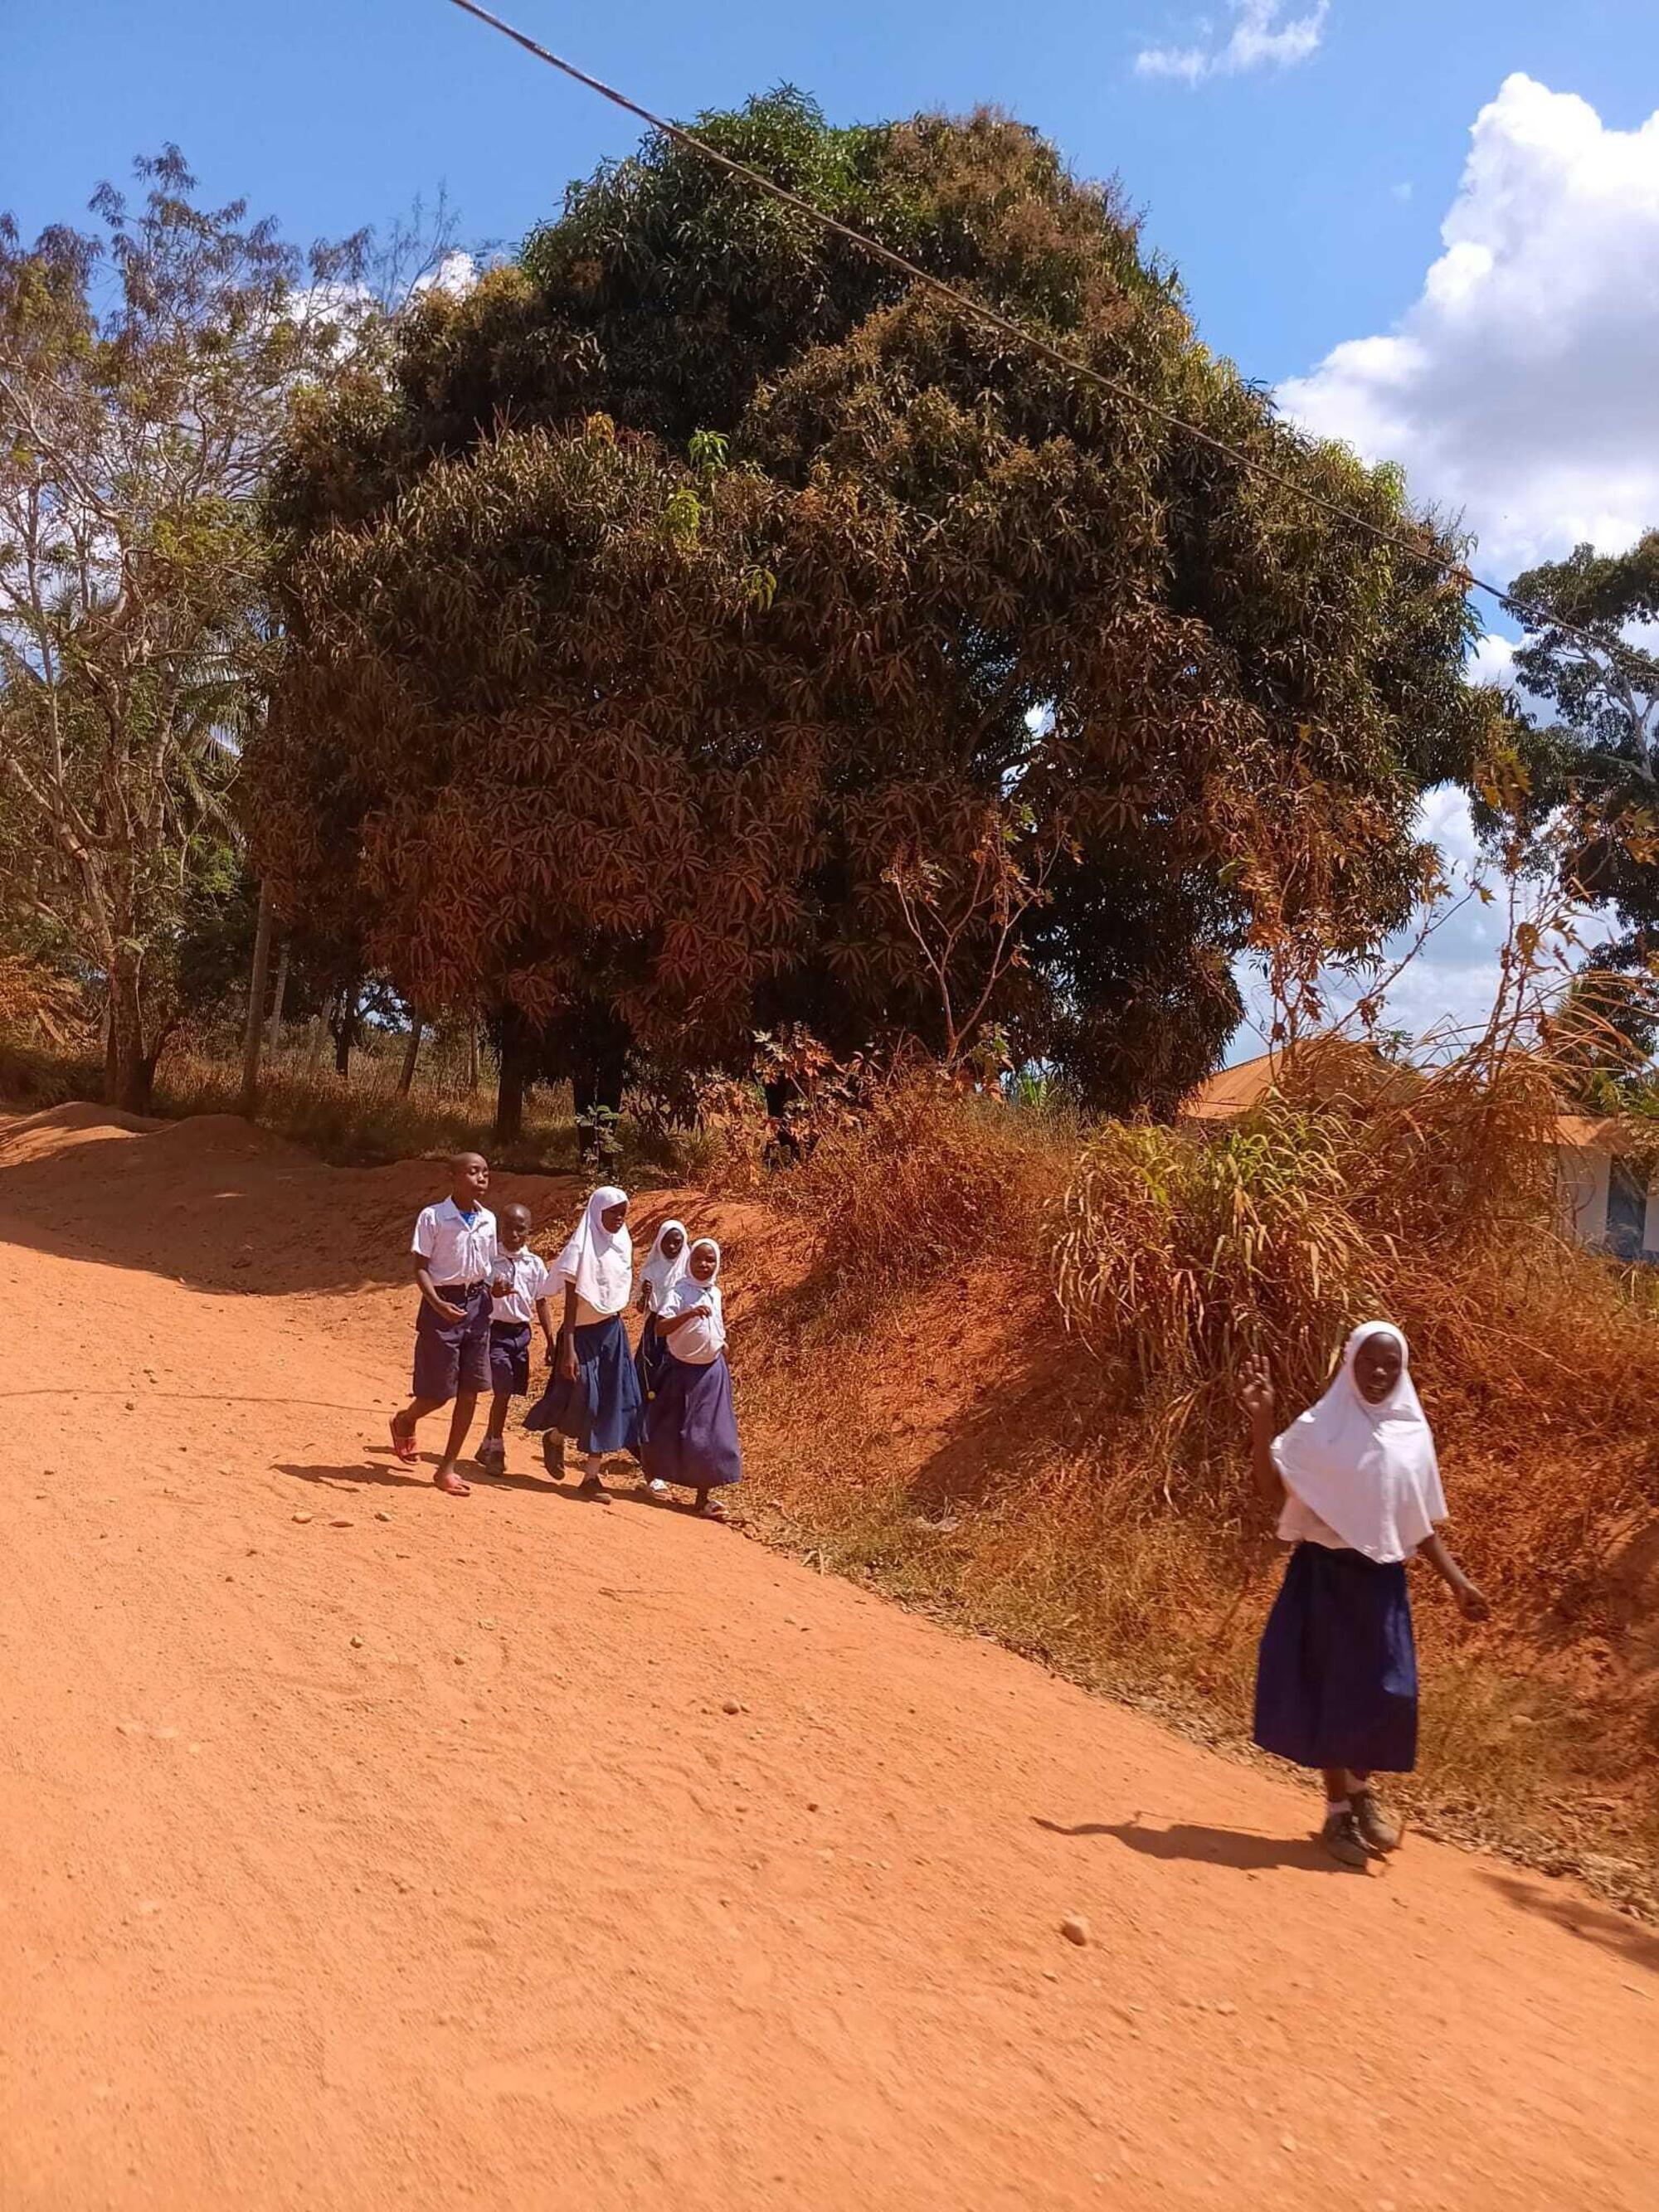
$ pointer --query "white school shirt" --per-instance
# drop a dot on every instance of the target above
(1300, 1524)
(530, 1281)
(457, 1250)
(586, 1314)
(698, 1343)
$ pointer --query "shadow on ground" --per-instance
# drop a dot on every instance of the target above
(1246, 1849)
(1612, 1931)
(220, 1206)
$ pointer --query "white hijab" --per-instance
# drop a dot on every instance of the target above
(1368, 1471)
(661, 1273)
(597, 1260)
(700, 1342)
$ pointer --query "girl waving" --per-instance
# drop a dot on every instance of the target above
(1357, 1485)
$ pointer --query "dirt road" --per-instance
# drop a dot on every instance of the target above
(361, 1849)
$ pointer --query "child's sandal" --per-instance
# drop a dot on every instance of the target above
(402, 1445)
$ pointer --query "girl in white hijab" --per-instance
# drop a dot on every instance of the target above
(1356, 1483)
(690, 1427)
(593, 1394)
(663, 1269)
(658, 1277)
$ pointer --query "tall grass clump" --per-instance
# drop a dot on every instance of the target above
(930, 1179)
(1177, 1257)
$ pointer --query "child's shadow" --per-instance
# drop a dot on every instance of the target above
(366, 1473)
(362, 1473)
(404, 1474)
(1243, 1847)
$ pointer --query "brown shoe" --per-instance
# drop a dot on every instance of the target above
(1375, 1830)
(1341, 1838)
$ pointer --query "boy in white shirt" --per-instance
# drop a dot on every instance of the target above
(454, 1254)
(522, 1288)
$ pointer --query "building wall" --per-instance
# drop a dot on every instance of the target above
(1582, 1179)
(1582, 1175)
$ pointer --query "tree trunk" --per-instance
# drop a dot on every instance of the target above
(253, 1031)
(515, 1077)
(472, 1055)
(596, 1090)
(411, 1053)
(138, 1092)
(129, 1072)
(278, 1000)
(320, 1026)
(345, 1026)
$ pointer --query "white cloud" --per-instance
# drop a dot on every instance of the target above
(456, 273)
(1260, 38)
(1519, 388)
(1402, 191)
(1492, 661)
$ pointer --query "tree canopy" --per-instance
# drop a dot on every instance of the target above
(695, 581)
(1596, 744)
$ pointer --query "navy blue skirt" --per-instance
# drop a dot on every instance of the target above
(1336, 1676)
(601, 1408)
(690, 1428)
(651, 1358)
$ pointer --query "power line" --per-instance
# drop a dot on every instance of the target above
(1533, 616)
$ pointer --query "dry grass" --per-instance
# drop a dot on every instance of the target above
(361, 1120)
(928, 1180)
(355, 1120)
(1111, 1535)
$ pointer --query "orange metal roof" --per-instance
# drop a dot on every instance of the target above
(1338, 1060)
(1585, 1133)
(1233, 1091)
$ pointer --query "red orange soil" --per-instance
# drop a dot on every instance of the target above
(407, 1854)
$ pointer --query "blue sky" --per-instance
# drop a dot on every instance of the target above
(1274, 191)
(1433, 225)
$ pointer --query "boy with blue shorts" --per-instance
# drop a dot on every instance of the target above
(522, 1290)
(454, 1255)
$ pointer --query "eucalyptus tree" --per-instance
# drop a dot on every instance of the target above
(146, 370)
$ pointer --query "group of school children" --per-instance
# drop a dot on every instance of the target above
(484, 1292)
(1354, 1480)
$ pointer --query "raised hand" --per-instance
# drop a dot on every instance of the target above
(1255, 1391)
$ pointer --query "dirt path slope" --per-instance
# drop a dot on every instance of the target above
(409, 1854)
